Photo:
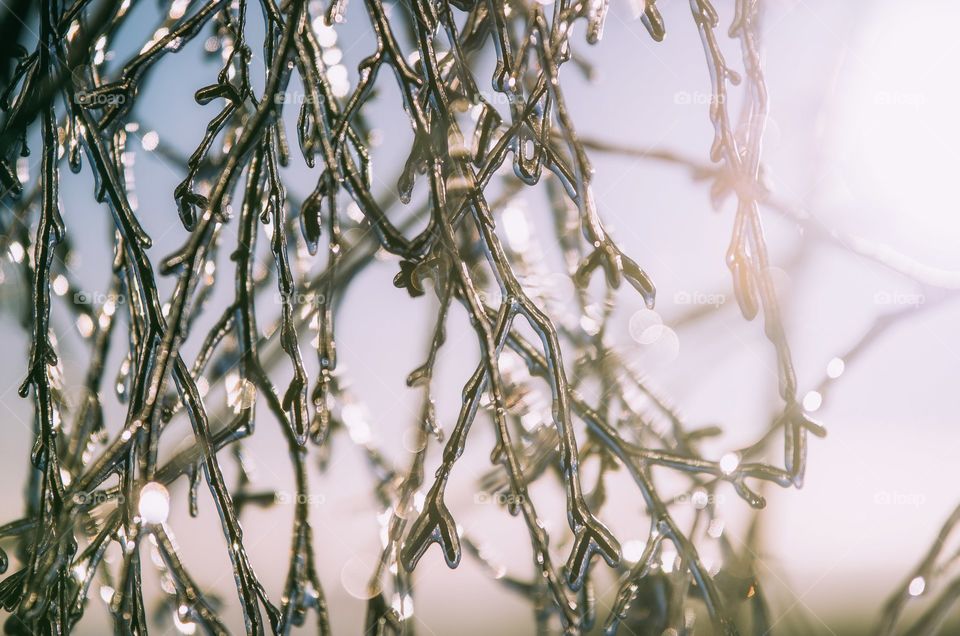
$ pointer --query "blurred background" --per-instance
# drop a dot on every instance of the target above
(861, 155)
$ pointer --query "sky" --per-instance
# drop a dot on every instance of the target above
(862, 142)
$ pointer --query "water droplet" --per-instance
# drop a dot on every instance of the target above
(339, 80)
(646, 326)
(917, 586)
(517, 228)
(715, 529)
(178, 8)
(16, 252)
(812, 401)
(835, 368)
(633, 550)
(668, 557)
(729, 463)
(326, 35)
(154, 505)
(183, 626)
(699, 498)
(150, 141)
(241, 394)
(354, 417)
(84, 325)
(355, 578)
(403, 605)
(60, 285)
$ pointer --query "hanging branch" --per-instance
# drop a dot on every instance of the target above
(534, 392)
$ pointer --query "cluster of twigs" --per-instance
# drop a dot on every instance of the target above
(934, 567)
(86, 483)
